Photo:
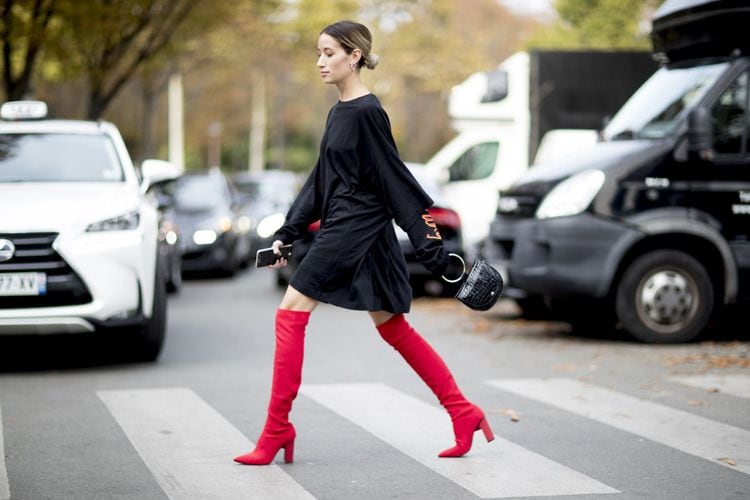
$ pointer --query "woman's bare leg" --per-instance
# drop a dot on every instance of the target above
(294, 300)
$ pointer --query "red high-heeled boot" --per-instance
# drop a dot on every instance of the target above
(287, 376)
(467, 418)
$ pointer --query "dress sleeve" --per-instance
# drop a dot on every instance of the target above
(401, 193)
(304, 211)
(428, 244)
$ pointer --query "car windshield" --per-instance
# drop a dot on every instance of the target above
(267, 192)
(58, 158)
(656, 109)
(199, 192)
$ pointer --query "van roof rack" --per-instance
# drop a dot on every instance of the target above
(695, 29)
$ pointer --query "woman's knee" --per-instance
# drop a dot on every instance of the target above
(380, 317)
(294, 300)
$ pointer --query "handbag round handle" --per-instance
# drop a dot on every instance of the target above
(460, 276)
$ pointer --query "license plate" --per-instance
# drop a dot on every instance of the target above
(23, 284)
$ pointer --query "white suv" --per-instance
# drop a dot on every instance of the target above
(78, 230)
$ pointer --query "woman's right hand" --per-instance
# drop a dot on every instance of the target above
(276, 245)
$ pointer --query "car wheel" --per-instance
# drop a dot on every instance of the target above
(174, 283)
(665, 296)
(586, 315)
(150, 335)
(533, 307)
(281, 280)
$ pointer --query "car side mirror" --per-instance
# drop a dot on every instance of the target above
(156, 171)
(700, 134)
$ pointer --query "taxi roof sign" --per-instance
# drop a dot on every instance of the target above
(23, 110)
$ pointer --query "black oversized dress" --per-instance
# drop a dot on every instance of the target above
(358, 186)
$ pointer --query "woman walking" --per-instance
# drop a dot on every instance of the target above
(358, 186)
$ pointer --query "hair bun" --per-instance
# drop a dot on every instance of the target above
(371, 61)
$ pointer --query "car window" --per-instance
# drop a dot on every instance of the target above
(476, 163)
(268, 191)
(730, 119)
(58, 158)
(198, 192)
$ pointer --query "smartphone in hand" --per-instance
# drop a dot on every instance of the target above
(265, 256)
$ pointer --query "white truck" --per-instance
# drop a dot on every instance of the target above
(534, 107)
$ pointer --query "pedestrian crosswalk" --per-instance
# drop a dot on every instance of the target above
(187, 445)
(736, 385)
(499, 470)
(678, 429)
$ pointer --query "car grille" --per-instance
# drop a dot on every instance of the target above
(34, 253)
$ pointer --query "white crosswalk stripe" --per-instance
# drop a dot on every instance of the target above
(188, 446)
(4, 486)
(679, 429)
(501, 469)
(735, 385)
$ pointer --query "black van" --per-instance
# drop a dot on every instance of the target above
(650, 227)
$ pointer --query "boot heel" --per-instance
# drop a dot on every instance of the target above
(289, 452)
(488, 435)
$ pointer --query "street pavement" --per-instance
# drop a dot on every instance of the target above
(587, 417)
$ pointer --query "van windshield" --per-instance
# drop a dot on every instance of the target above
(656, 109)
(58, 158)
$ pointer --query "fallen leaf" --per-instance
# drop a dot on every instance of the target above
(712, 389)
(696, 402)
(727, 461)
(514, 418)
(481, 326)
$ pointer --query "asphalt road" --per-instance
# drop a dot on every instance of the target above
(575, 417)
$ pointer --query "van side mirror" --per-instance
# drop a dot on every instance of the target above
(700, 134)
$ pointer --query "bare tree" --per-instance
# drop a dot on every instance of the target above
(111, 39)
(24, 27)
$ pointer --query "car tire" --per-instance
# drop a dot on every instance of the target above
(665, 296)
(588, 316)
(174, 283)
(281, 281)
(150, 335)
(534, 307)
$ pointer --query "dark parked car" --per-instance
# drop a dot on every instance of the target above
(171, 242)
(422, 281)
(266, 197)
(216, 233)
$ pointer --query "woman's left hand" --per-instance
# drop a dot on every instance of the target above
(277, 250)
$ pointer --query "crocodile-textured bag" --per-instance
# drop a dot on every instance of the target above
(482, 286)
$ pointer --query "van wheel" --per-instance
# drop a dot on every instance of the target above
(665, 296)
(150, 335)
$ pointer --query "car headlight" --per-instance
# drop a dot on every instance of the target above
(571, 196)
(122, 222)
(204, 236)
(269, 225)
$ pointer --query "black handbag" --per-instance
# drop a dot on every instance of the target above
(481, 287)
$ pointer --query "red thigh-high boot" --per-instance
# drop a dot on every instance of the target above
(287, 375)
(466, 417)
